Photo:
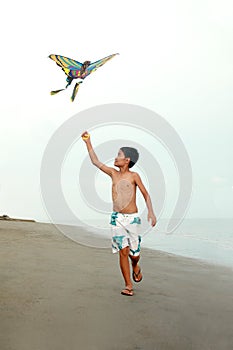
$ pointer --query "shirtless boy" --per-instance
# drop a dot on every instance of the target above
(125, 222)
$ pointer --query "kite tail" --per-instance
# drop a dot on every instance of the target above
(75, 91)
(55, 92)
(69, 81)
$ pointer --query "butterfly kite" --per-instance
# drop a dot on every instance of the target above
(76, 70)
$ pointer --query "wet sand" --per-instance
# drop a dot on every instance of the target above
(56, 294)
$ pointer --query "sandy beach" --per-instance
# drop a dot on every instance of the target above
(56, 294)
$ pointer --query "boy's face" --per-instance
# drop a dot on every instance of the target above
(120, 160)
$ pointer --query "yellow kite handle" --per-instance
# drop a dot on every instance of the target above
(86, 136)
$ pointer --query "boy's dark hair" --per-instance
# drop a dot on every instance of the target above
(131, 153)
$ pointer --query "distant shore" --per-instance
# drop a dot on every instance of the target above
(58, 294)
(7, 218)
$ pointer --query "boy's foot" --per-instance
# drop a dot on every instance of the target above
(137, 277)
(127, 291)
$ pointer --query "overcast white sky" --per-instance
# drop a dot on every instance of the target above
(175, 59)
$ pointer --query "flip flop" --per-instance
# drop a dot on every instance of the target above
(127, 291)
(135, 276)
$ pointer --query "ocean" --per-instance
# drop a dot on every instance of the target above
(210, 240)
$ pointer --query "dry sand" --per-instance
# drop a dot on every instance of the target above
(58, 295)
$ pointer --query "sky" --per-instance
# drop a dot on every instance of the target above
(175, 59)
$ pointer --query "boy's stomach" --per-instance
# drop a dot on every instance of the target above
(128, 209)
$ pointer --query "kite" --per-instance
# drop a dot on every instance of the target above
(76, 70)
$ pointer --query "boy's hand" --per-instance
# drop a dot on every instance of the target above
(85, 136)
(152, 219)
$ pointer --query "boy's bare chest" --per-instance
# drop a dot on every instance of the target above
(123, 184)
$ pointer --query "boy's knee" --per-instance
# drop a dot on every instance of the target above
(135, 259)
(124, 251)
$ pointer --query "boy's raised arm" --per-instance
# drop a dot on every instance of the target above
(94, 159)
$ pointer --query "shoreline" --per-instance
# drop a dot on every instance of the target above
(87, 237)
(58, 294)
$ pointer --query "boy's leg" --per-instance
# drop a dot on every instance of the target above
(125, 267)
(136, 268)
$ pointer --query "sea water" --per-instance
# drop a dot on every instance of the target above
(210, 240)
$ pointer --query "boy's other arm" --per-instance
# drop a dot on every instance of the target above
(151, 215)
(94, 159)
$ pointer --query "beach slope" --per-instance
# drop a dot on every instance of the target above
(56, 294)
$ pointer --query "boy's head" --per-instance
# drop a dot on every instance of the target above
(129, 153)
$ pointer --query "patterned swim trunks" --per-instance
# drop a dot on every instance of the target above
(125, 230)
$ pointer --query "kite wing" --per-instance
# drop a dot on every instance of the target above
(93, 66)
(75, 69)
(71, 67)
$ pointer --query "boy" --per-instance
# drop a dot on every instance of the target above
(124, 219)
